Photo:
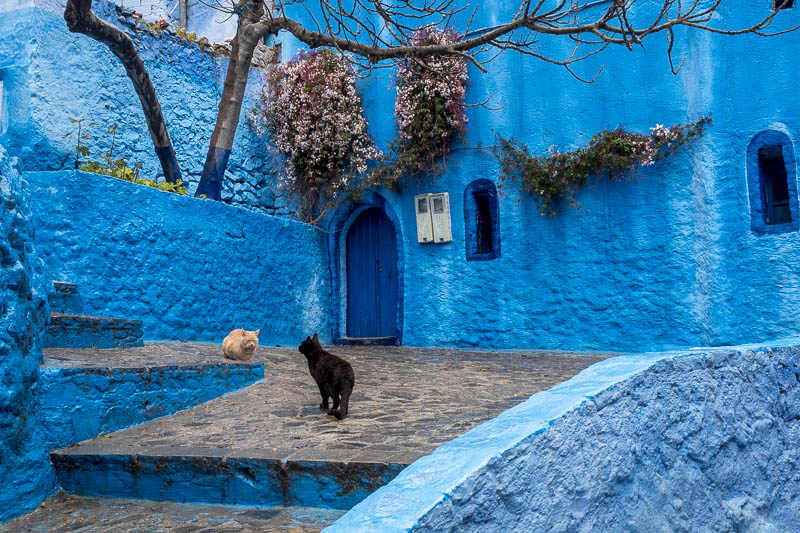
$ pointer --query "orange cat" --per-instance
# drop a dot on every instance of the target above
(240, 345)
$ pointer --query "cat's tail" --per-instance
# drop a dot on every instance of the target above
(341, 412)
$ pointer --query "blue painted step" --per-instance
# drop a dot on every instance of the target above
(78, 331)
(66, 299)
(217, 476)
(81, 402)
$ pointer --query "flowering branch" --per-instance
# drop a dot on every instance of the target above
(313, 113)
(611, 153)
(429, 110)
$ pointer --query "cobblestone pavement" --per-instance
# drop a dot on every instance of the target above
(92, 515)
(406, 402)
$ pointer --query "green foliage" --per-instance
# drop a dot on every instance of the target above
(81, 135)
(423, 152)
(611, 153)
(117, 168)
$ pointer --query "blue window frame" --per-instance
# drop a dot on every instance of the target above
(772, 183)
(481, 221)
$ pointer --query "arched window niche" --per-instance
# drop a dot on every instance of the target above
(772, 183)
(481, 221)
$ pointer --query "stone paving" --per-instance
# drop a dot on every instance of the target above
(406, 402)
(92, 515)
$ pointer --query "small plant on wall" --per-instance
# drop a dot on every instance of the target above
(614, 154)
(115, 168)
(429, 110)
(312, 111)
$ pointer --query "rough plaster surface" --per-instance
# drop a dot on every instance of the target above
(81, 403)
(190, 269)
(661, 442)
(26, 476)
(56, 76)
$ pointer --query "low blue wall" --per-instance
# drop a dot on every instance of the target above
(81, 403)
(190, 269)
(656, 442)
(26, 476)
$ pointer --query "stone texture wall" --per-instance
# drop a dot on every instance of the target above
(686, 442)
(190, 269)
(26, 476)
(56, 76)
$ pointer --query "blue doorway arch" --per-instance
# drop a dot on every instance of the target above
(366, 258)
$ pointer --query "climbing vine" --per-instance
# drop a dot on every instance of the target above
(614, 154)
(429, 111)
(312, 111)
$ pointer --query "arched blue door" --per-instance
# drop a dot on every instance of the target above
(371, 276)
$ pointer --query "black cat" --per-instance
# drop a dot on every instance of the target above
(334, 376)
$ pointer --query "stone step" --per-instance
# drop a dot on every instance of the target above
(79, 331)
(86, 392)
(101, 515)
(218, 476)
(66, 299)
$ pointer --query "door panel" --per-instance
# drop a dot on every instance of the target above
(371, 276)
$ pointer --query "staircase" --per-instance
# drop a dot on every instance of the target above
(69, 328)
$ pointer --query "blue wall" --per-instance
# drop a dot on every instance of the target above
(56, 76)
(666, 260)
(190, 269)
(26, 476)
(655, 442)
(81, 403)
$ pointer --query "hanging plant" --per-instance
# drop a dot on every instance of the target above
(429, 110)
(312, 111)
(614, 154)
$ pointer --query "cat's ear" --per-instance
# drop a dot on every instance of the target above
(242, 333)
(258, 331)
(316, 338)
(308, 338)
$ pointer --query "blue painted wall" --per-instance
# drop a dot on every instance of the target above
(666, 260)
(190, 269)
(80, 403)
(26, 476)
(655, 442)
(52, 76)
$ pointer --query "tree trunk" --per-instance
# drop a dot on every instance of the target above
(80, 19)
(230, 106)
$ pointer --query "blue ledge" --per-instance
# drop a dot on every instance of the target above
(81, 403)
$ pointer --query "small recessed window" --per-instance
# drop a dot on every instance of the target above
(782, 4)
(774, 188)
(481, 221)
(422, 205)
(438, 205)
(772, 183)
